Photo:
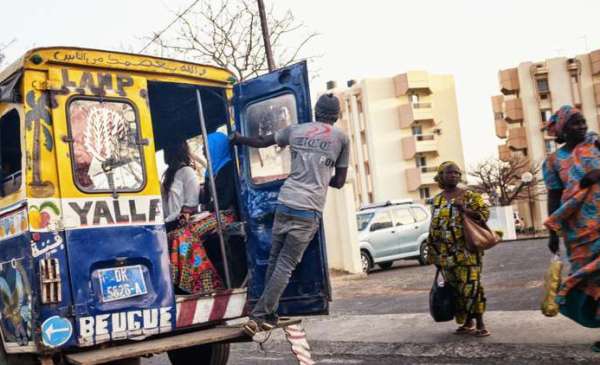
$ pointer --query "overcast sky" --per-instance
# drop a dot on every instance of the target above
(471, 40)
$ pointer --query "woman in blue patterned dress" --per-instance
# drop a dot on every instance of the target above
(571, 175)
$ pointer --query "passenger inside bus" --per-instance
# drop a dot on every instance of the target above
(196, 254)
(192, 270)
(222, 166)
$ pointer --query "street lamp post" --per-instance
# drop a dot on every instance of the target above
(527, 178)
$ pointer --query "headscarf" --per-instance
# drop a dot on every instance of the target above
(218, 147)
(558, 120)
(440, 171)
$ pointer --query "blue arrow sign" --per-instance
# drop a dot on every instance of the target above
(56, 331)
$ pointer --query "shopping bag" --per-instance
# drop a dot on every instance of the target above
(442, 300)
(551, 284)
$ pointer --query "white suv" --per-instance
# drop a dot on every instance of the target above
(392, 231)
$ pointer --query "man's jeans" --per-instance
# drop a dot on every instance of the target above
(293, 230)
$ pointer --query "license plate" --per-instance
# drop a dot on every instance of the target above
(122, 282)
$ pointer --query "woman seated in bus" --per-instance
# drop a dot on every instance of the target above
(191, 269)
(222, 166)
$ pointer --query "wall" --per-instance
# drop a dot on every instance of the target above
(501, 219)
(341, 233)
(445, 113)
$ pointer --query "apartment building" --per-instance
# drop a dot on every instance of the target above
(530, 93)
(401, 128)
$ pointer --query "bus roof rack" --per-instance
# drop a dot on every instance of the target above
(387, 203)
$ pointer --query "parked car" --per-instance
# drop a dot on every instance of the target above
(391, 231)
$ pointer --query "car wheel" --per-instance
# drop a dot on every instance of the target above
(423, 253)
(366, 261)
(386, 265)
(209, 354)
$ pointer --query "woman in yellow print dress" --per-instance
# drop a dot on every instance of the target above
(448, 251)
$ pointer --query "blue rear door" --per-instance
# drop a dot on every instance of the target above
(262, 106)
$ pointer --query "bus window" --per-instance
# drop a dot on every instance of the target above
(106, 153)
(264, 118)
(10, 152)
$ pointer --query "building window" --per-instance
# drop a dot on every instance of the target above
(424, 192)
(574, 78)
(542, 86)
(546, 114)
(498, 115)
(420, 161)
(417, 130)
(414, 98)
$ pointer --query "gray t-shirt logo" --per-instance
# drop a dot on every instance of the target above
(316, 149)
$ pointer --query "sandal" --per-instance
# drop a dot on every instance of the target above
(462, 330)
(268, 326)
(251, 327)
(481, 333)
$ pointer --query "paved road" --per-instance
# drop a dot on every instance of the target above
(513, 273)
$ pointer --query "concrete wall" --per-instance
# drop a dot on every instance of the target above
(445, 112)
(341, 233)
(501, 219)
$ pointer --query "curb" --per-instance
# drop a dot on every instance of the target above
(462, 351)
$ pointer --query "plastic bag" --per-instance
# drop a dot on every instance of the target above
(552, 280)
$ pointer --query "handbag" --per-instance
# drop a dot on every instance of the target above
(478, 236)
(442, 300)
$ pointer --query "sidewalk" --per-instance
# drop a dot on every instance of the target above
(517, 337)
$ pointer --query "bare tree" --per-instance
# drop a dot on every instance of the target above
(501, 180)
(227, 33)
(3, 47)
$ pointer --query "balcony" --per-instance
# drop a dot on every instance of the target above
(513, 110)
(509, 81)
(595, 59)
(497, 101)
(504, 153)
(517, 138)
(413, 81)
(415, 112)
(422, 143)
(501, 128)
(419, 176)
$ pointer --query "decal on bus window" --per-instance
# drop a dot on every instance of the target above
(106, 153)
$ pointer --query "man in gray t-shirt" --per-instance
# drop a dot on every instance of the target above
(317, 149)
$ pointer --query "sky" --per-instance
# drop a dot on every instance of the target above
(470, 39)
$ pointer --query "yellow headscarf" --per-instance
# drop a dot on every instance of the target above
(440, 171)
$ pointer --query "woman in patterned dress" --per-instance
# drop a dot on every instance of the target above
(191, 269)
(571, 175)
(448, 250)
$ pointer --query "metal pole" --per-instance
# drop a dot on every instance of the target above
(265, 32)
(213, 189)
(531, 207)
